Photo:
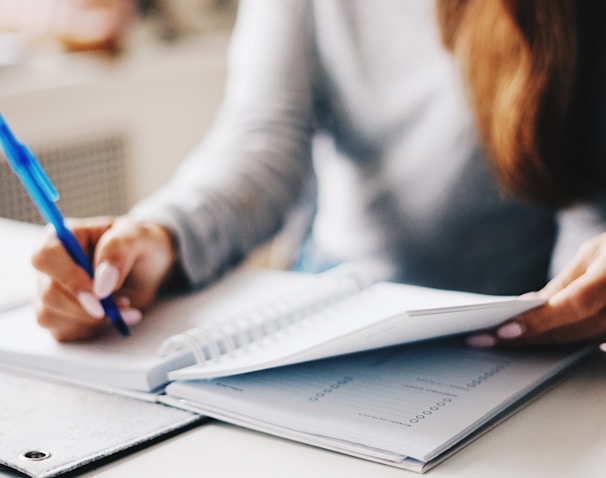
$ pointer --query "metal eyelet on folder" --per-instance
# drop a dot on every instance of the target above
(35, 455)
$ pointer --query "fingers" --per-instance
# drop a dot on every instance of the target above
(574, 311)
(59, 312)
(66, 302)
(64, 318)
(131, 261)
(584, 296)
(116, 254)
(589, 259)
(52, 259)
(576, 301)
(134, 257)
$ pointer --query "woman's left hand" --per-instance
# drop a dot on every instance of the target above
(574, 309)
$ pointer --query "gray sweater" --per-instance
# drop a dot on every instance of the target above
(357, 102)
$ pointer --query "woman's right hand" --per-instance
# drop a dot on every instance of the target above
(132, 261)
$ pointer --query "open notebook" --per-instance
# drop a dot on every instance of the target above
(409, 406)
(249, 321)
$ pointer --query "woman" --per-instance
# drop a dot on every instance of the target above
(451, 145)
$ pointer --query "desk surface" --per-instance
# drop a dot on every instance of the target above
(561, 434)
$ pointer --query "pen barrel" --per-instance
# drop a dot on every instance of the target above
(113, 314)
(45, 204)
(43, 194)
(77, 254)
(73, 248)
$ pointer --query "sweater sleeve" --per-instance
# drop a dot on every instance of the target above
(575, 226)
(235, 190)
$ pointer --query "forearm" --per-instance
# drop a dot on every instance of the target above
(236, 189)
(229, 197)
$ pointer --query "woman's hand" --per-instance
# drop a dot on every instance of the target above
(132, 260)
(575, 308)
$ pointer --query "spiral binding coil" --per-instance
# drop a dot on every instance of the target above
(218, 338)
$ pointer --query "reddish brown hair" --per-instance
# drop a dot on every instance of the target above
(531, 87)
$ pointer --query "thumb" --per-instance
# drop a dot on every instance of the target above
(133, 256)
(115, 255)
(107, 276)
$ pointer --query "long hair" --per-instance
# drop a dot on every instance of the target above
(532, 87)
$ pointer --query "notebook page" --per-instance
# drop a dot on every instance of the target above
(415, 401)
(17, 243)
(383, 314)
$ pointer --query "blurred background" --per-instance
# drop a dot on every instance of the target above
(109, 94)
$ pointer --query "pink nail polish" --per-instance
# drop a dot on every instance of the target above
(131, 316)
(481, 341)
(106, 278)
(511, 330)
(90, 303)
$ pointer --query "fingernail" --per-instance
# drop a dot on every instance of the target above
(90, 303)
(511, 330)
(131, 316)
(481, 341)
(106, 278)
(123, 302)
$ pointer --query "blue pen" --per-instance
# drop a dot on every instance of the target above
(25, 165)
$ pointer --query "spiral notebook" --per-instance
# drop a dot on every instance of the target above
(251, 320)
